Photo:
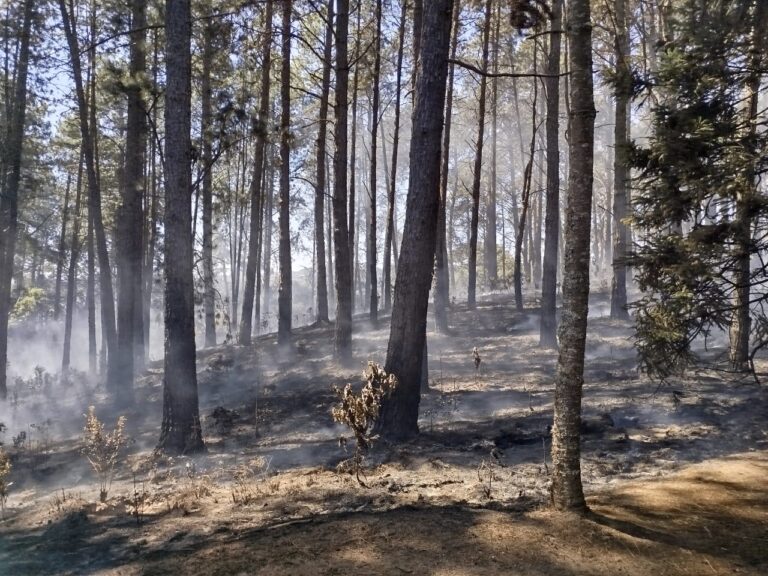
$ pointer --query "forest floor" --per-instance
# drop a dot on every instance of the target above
(675, 475)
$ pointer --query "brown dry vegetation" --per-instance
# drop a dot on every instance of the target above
(675, 475)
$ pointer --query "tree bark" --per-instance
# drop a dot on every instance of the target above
(472, 265)
(257, 196)
(567, 491)
(74, 255)
(490, 242)
(442, 279)
(341, 237)
(399, 413)
(62, 252)
(206, 121)
(371, 249)
(548, 326)
(181, 432)
(285, 288)
(620, 168)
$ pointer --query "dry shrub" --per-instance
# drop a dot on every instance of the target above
(247, 478)
(359, 412)
(102, 449)
(5, 470)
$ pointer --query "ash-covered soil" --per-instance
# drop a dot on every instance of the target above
(674, 473)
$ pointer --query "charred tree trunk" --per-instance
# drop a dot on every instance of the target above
(206, 121)
(548, 327)
(442, 279)
(130, 333)
(257, 196)
(478, 170)
(181, 432)
(341, 235)
(620, 167)
(567, 491)
(285, 288)
(400, 412)
(9, 204)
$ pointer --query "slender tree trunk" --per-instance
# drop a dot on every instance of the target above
(322, 166)
(74, 256)
(491, 258)
(181, 432)
(567, 491)
(88, 135)
(268, 223)
(352, 215)
(740, 322)
(130, 332)
(10, 197)
(371, 251)
(478, 170)
(620, 168)
(285, 289)
(206, 121)
(341, 235)
(257, 196)
(400, 412)
(418, 19)
(548, 326)
(442, 280)
(62, 252)
(391, 197)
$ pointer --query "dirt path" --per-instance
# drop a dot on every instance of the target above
(710, 518)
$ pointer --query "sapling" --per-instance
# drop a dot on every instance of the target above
(5, 470)
(360, 411)
(102, 449)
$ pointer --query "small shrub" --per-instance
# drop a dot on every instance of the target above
(5, 470)
(359, 412)
(102, 449)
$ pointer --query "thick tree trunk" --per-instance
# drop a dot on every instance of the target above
(206, 121)
(130, 332)
(256, 192)
(548, 326)
(88, 135)
(442, 280)
(285, 288)
(741, 321)
(477, 176)
(322, 168)
(392, 187)
(9, 203)
(181, 432)
(620, 168)
(400, 412)
(341, 238)
(567, 491)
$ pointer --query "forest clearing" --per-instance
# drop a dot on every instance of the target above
(674, 476)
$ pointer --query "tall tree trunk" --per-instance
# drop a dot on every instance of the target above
(322, 166)
(442, 280)
(341, 235)
(490, 244)
(268, 224)
(391, 197)
(10, 198)
(62, 252)
(257, 196)
(130, 333)
(285, 289)
(478, 170)
(620, 168)
(74, 256)
(400, 412)
(740, 322)
(206, 125)
(181, 432)
(88, 135)
(418, 19)
(548, 326)
(371, 251)
(567, 491)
